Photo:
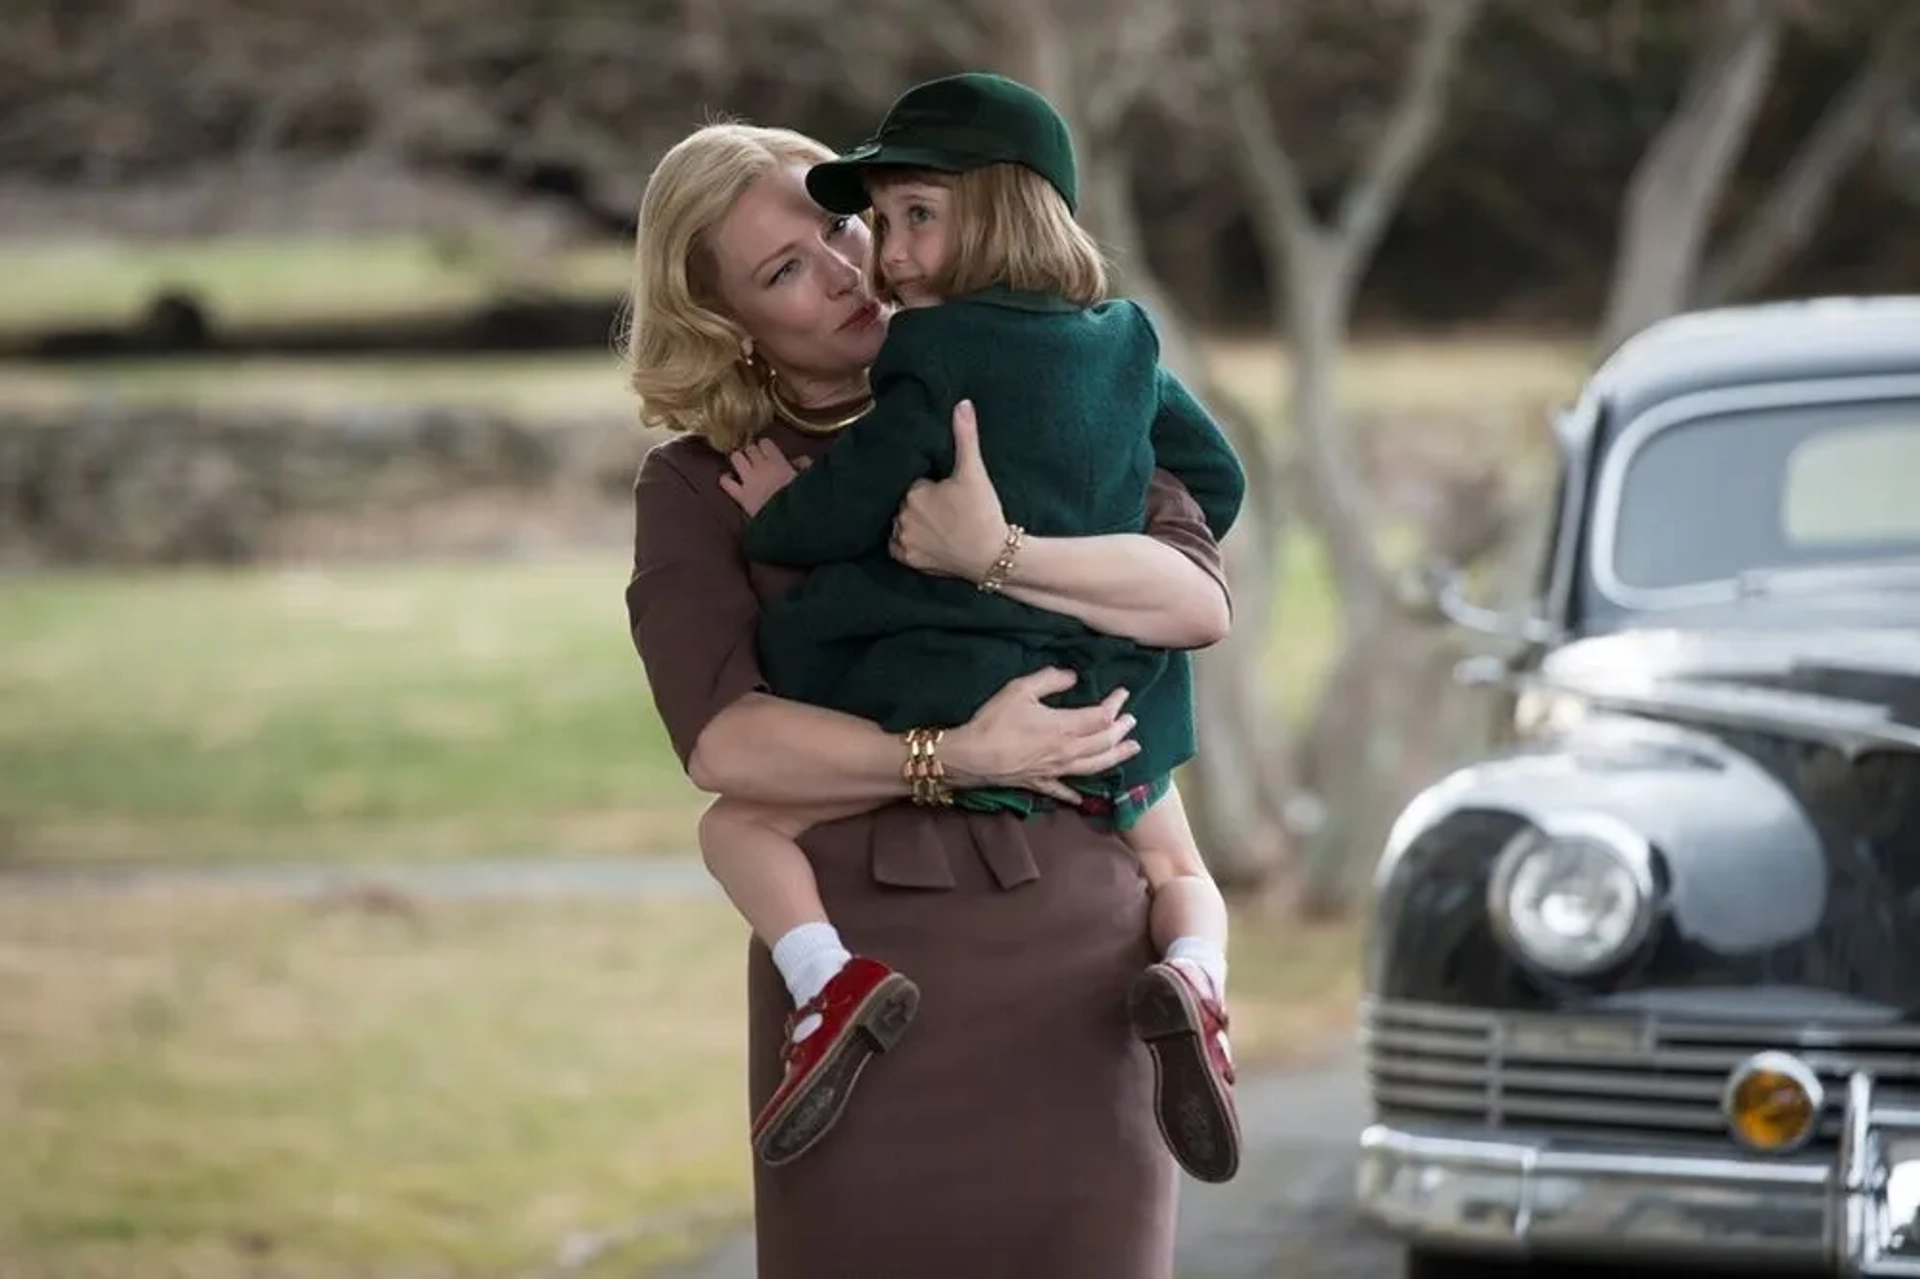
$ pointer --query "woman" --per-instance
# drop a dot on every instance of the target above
(1012, 1133)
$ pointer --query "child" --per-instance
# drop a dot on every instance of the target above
(971, 180)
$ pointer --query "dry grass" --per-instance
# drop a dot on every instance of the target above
(1466, 381)
(222, 1087)
(1417, 409)
(217, 1087)
(292, 279)
(1294, 987)
(530, 387)
(1469, 385)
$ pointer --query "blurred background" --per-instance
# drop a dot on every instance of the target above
(347, 924)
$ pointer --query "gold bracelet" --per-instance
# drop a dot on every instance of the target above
(996, 575)
(923, 772)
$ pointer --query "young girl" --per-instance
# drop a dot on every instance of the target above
(972, 185)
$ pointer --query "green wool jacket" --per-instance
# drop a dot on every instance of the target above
(1075, 412)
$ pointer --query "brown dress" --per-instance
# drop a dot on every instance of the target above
(1010, 1135)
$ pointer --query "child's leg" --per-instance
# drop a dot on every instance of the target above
(1188, 915)
(1168, 1005)
(751, 850)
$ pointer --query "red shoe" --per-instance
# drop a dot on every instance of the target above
(1186, 1030)
(863, 1010)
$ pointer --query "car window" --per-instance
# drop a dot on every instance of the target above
(1854, 484)
(1709, 499)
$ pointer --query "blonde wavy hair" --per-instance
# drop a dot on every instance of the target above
(682, 350)
(1007, 226)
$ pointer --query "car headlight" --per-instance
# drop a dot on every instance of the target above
(1573, 894)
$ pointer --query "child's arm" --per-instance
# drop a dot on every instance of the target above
(843, 505)
(1190, 444)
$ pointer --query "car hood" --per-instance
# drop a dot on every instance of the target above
(1775, 773)
(1855, 690)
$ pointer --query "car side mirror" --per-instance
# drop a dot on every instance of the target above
(1436, 590)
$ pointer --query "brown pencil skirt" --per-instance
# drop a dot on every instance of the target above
(1011, 1132)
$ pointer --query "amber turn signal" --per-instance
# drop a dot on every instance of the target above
(1772, 1102)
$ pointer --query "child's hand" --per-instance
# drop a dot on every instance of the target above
(762, 470)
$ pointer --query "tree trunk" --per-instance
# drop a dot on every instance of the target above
(1797, 201)
(1352, 740)
(1353, 760)
(1391, 721)
(1236, 788)
(1678, 183)
(1239, 783)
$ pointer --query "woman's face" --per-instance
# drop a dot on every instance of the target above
(794, 277)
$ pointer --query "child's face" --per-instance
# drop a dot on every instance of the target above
(910, 221)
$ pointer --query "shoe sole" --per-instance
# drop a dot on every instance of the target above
(876, 1026)
(1195, 1114)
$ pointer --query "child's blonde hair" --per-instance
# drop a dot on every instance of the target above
(683, 352)
(1007, 225)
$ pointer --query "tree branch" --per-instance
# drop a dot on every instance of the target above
(1144, 35)
(1417, 114)
(1271, 173)
(1794, 205)
(1673, 191)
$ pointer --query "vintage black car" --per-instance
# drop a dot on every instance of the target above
(1645, 985)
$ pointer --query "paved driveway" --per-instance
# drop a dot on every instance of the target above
(1288, 1215)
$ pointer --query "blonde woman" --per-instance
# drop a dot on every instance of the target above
(972, 184)
(1012, 1132)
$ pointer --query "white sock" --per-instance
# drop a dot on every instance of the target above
(1205, 955)
(807, 958)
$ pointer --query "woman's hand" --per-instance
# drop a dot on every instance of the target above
(953, 527)
(1018, 740)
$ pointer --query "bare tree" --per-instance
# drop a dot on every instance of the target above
(1102, 65)
(1796, 201)
(1315, 266)
(1679, 181)
(1664, 263)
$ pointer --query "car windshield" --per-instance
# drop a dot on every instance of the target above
(1797, 499)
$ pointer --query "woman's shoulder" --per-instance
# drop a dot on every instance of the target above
(681, 455)
(679, 479)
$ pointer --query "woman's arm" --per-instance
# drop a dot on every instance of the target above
(1163, 587)
(694, 615)
(773, 751)
(1124, 584)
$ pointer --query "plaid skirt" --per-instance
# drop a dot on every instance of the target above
(1111, 809)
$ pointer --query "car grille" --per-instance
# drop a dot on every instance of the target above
(1632, 1076)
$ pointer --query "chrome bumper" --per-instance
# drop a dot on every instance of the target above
(1856, 1214)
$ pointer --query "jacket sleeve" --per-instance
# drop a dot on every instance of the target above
(1190, 444)
(843, 505)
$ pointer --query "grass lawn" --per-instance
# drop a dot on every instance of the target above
(422, 711)
(404, 712)
(221, 1087)
(383, 713)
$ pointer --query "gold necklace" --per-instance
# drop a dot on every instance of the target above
(795, 416)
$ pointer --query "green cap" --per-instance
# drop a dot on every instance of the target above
(953, 125)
